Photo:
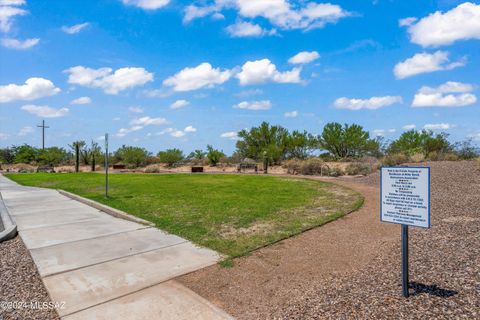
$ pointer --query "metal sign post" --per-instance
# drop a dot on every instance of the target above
(405, 200)
(405, 260)
(106, 165)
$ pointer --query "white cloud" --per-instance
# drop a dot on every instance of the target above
(193, 12)
(371, 104)
(135, 109)
(201, 76)
(304, 57)
(45, 111)
(379, 132)
(4, 136)
(147, 4)
(75, 28)
(124, 131)
(19, 44)
(190, 129)
(8, 11)
(254, 105)
(146, 121)
(280, 13)
(291, 114)
(25, 131)
(449, 94)
(179, 104)
(104, 78)
(261, 71)
(405, 22)
(437, 29)
(177, 133)
(139, 123)
(12, 2)
(437, 126)
(249, 93)
(247, 29)
(81, 100)
(425, 62)
(34, 88)
(409, 127)
(232, 135)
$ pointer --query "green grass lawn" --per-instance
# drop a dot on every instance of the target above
(233, 214)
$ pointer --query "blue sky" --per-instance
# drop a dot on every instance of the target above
(162, 74)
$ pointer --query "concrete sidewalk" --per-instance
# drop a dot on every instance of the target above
(104, 267)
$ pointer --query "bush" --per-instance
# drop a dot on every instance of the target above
(466, 150)
(450, 157)
(293, 166)
(214, 155)
(334, 172)
(395, 159)
(153, 168)
(171, 156)
(312, 166)
(357, 168)
(417, 157)
(24, 168)
(133, 157)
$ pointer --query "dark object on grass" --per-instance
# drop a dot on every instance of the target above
(197, 169)
(46, 169)
(119, 166)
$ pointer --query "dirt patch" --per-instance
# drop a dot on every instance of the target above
(230, 232)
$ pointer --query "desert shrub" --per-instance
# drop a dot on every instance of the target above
(450, 157)
(417, 157)
(357, 168)
(24, 168)
(293, 166)
(153, 168)
(133, 157)
(334, 172)
(466, 150)
(7, 155)
(312, 166)
(395, 159)
(171, 156)
(64, 169)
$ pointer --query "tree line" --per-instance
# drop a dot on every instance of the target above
(270, 144)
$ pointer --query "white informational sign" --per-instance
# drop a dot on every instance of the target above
(405, 196)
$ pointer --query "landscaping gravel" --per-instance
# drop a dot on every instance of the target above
(282, 282)
(20, 284)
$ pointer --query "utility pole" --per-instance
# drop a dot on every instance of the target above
(43, 126)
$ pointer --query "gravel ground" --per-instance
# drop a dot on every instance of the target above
(283, 282)
(20, 283)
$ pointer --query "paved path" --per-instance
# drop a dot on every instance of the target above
(103, 267)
